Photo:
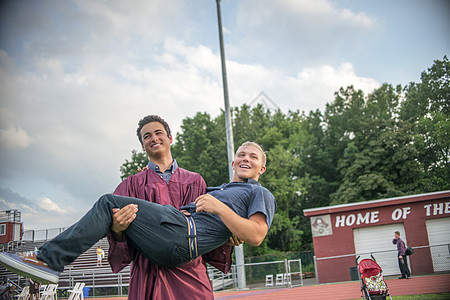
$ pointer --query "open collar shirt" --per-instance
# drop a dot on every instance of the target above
(167, 173)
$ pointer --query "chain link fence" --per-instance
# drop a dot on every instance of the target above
(388, 261)
(267, 271)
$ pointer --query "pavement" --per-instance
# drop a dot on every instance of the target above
(416, 285)
(433, 284)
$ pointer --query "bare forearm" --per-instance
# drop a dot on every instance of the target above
(248, 230)
(251, 230)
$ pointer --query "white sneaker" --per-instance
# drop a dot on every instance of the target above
(27, 265)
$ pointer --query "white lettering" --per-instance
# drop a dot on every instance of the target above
(396, 214)
(340, 221)
(438, 208)
(406, 211)
(428, 207)
(447, 207)
(363, 219)
(374, 217)
(350, 220)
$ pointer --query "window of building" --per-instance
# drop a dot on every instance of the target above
(2, 229)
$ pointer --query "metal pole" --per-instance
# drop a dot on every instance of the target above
(315, 269)
(228, 126)
(239, 250)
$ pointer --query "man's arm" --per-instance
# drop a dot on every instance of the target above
(252, 230)
(401, 249)
(120, 254)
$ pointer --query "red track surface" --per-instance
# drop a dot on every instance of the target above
(433, 284)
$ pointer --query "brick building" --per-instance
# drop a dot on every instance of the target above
(10, 226)
(342, 232)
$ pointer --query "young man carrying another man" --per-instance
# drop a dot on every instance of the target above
(242, 208)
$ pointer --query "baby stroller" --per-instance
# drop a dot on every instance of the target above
(372, 282)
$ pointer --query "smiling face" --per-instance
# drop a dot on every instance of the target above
(248, 163)
(155, 140)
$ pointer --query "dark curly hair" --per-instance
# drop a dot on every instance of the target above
(148, 119)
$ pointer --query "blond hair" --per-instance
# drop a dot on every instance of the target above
(257, 146)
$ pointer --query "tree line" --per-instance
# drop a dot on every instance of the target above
(391, 142)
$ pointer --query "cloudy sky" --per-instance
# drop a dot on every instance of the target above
(76, 76)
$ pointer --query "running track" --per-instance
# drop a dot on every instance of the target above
(432, 284)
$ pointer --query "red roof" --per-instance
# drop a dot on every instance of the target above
(375, 203)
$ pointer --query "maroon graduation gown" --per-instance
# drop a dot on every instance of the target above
(149, 281)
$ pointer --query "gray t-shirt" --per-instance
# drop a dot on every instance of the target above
(245, 199)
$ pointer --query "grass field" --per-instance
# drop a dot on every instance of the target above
(425, 296)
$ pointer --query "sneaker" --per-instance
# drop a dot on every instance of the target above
(27, 265)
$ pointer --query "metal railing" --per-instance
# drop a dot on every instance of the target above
(10, 246)
(13, 215)
(100, 281)
(41, 235)
(32, 236)
(221, 281)
(256, 274)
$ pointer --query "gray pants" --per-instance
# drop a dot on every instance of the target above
(403, 265)
(159, 232)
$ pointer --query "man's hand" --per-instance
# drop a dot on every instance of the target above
(122, 218)
(234, 241)
(143, 169)
(208, 203)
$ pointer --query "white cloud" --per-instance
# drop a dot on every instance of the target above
(50, 206)
(50, 69)
(293, 34)
(14, 137)
(299, 10)
(6, 63)
(310, 89)
(320, 83)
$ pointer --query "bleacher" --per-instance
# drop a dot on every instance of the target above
(83, 269)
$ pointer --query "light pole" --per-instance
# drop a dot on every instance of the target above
(239, 250)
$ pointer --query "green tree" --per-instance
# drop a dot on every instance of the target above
(201, 147)
(380, 159)
(285, 234)
(427, 109)
(280, 178)
(130, 167)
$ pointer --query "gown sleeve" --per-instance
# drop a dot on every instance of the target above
(120, 254)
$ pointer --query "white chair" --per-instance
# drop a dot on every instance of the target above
(279, 280)
(269, 280)
(77, 292)
(42, 288)
(75, 288)
(25, 294)
(287, 278)
(50, 292)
